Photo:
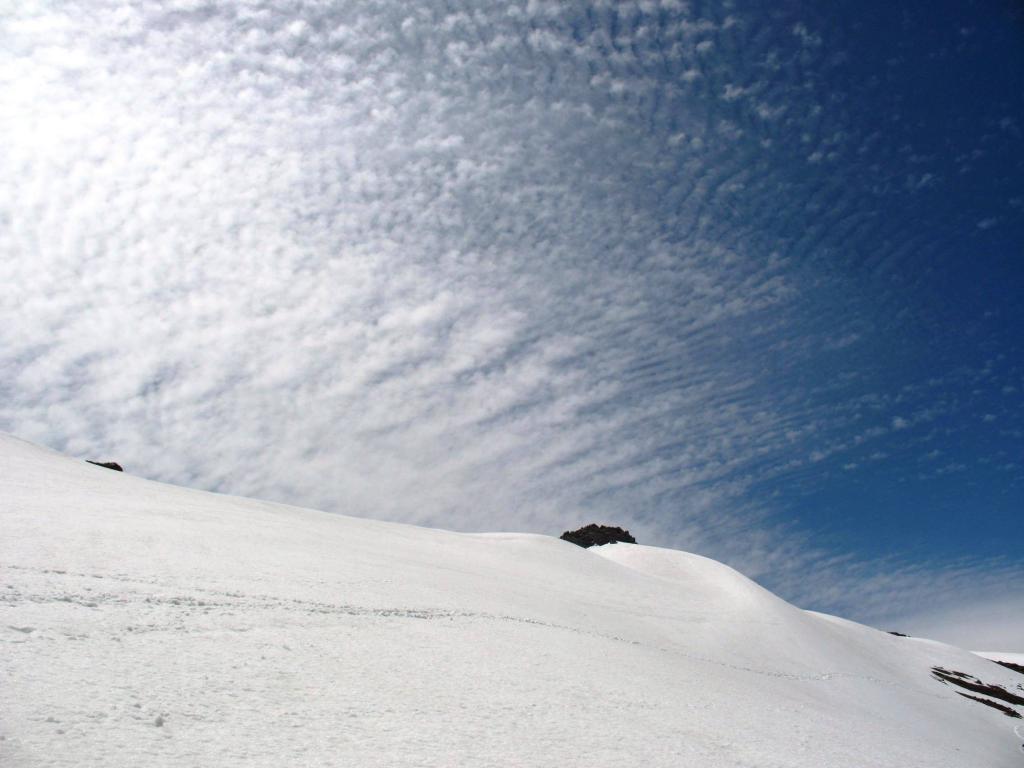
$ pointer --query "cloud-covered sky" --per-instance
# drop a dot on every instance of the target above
(742, 277)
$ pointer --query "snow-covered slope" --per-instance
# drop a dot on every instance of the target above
(143, 624)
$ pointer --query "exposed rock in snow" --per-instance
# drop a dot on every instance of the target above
(597, 535)
(1019, 668)
(990, 691)
(107, 465)
(1014, 661)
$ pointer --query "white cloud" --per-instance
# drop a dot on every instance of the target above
(733, 92)
(977, 621)
(346, 285)
(808, 38)
(450, 267)
(967, 603)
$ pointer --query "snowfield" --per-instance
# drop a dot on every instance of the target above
(149, 625)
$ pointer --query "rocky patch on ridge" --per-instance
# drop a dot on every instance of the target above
(973, 684)
(595, 535)
(107, 465)
(1018, 668)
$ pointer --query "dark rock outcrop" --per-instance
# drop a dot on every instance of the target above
(973, 684)
(1019, 668)
(107, 464)
(1009, 712)
(595, 535)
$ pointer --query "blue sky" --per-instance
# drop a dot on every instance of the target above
(742, 277)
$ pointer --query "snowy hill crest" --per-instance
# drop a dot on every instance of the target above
(147, 624)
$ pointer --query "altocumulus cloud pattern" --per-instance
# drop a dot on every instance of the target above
(525, 265)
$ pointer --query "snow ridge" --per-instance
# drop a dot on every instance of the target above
(146, 624)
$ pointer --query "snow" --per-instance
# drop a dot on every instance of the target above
(1012, 658)
(145, 624)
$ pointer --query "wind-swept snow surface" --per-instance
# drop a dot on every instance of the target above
(144, 624)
